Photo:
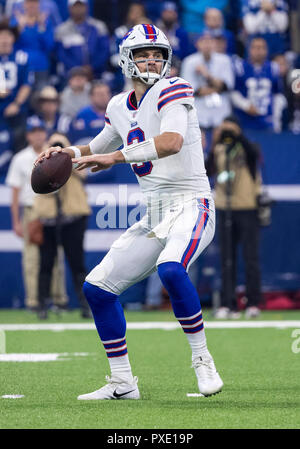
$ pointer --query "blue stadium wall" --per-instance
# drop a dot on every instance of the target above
(280, 242)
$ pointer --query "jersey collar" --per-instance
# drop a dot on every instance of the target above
(131, 100)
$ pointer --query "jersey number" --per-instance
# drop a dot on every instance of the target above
(137, 135)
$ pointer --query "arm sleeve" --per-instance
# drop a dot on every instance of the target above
(174, 118)
(106, 141)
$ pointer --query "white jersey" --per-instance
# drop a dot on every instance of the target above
(178, 173)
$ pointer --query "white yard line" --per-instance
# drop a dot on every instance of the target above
(164, 325)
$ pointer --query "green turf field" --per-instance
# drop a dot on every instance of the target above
(258, 366)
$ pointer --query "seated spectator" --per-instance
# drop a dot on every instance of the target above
(36, 38)
(75, 95)
(49, 7)
(211, 76)
(267, 19)
(257, 86)
(48, 111)
(214, 22)
(91, 119)
(16, 83)
(178, 37)
(82, 41)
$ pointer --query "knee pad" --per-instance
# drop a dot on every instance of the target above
(96, 295)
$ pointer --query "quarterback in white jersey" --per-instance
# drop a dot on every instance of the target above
(168, 106)
(157, 125)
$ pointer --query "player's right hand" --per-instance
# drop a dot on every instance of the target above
(47, 153)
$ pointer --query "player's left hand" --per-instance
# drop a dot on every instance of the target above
(96, 162)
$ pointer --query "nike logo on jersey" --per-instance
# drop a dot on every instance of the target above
(119, 395)
(174, 81)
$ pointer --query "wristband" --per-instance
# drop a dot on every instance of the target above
(140, 152)
(77, 152)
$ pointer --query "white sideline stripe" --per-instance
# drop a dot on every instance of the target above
(39, 357)
(164, 325)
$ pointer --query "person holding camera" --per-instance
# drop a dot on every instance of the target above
(233, 161)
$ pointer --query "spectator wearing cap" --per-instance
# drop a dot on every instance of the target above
(214, 22)
(75, 95)
(178, 37)
(48, 111)
(82, 41)
(267, 19)
(211, 75)
(19, 179)
(257, 93)
(36, 38)
(15, 88)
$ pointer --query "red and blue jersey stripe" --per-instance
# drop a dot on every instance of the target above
(172, 93)
(197, 232)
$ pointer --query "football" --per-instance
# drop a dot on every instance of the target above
(52, 173)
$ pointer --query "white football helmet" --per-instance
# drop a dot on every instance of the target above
(144, 36)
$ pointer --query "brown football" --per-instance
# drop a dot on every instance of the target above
(52, 173)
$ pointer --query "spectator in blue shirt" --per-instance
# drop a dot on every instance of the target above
(15, 85)
(90, 120)
(257, 88)
(82, 41)
(36, 38)
(267, 19)
(178, 37)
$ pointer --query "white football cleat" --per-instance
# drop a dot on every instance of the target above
(222, 313)
(115, 389)
(252, 312)
(209, 381)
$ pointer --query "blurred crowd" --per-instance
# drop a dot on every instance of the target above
(59, 68)
(59, 61)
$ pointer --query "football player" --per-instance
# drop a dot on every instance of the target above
(157, 124)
